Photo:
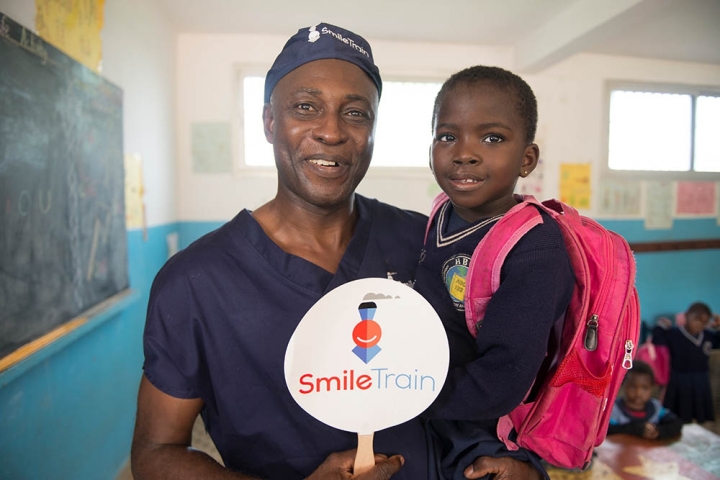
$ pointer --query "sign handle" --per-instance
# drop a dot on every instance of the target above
(365, 457)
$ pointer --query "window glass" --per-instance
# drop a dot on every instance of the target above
(707, 133)
(650, 131)
(404, 131)
(257, 152)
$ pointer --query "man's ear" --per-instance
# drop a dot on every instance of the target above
(530, 160)
(268, 122)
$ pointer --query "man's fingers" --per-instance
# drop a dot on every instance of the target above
(384, 468)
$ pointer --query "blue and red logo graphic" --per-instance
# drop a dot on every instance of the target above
(367, 333)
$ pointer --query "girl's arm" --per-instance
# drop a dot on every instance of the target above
(670, 424)
(632, 428)
(535, 289)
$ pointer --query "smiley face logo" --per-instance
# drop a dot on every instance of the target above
(367, 333)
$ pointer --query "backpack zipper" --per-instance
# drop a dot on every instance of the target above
(591, 332)
(591, 339)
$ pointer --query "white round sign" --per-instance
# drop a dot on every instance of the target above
(370, 354)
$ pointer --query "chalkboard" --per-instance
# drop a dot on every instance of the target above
(63, 244)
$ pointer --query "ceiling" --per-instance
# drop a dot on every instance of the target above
(541, 31)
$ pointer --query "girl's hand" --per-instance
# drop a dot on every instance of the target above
(650, 431)
(503, 468)
(664, 322)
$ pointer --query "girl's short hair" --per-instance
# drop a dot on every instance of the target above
(698, 308)
(526, 103)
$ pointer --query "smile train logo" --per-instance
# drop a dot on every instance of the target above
(367, 333)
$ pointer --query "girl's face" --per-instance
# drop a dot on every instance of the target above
(638, 390)
(479, 149)
(696, 322)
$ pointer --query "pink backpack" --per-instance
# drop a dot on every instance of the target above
(569, 415)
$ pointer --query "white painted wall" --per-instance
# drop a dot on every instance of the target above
(22, 11)
(139, 55)
(571, 97)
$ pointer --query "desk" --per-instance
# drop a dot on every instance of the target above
(693, 456)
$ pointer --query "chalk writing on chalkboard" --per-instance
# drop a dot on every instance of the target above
(63, 245)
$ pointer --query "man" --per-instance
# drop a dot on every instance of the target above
(222, 311)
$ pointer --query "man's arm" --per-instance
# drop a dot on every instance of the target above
(163, 434)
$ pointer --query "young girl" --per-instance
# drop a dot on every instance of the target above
(688, 392)
(637, 413)
(484, 124)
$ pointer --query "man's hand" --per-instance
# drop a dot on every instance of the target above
(504, 468)
(339, 466)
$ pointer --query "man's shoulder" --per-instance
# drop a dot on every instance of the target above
(210, 248)
(390, 214)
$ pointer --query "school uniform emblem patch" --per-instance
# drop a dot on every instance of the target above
(454, 272)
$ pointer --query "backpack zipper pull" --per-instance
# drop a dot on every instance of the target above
(591, 336)
(627, 360)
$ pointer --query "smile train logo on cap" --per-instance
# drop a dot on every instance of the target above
(314, 34)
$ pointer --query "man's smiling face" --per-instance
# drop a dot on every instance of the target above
(321, 122)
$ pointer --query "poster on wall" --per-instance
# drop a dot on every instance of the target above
(717, 203)
(134, 192)
(695, 198)
(575, 185)
(658, 205)
(619, 198)
(74, 27)
(211, 147)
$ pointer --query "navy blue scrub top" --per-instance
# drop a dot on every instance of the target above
(220, 316)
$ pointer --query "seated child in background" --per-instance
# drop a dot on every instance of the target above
(688, 392)
(484, 123)
(637, 413)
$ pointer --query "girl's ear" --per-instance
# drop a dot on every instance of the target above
(530, 160)
(430, 158)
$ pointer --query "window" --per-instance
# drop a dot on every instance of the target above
(671, 130)
(402, 134)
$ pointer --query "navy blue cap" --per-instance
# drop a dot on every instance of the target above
(321, 42)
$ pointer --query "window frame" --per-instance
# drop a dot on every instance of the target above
(693, 90)
(237, 124)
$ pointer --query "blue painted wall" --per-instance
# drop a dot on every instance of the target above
(668, 282)
(68, 411)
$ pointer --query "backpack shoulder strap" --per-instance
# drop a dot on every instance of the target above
(483, 277)
(437, 202)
